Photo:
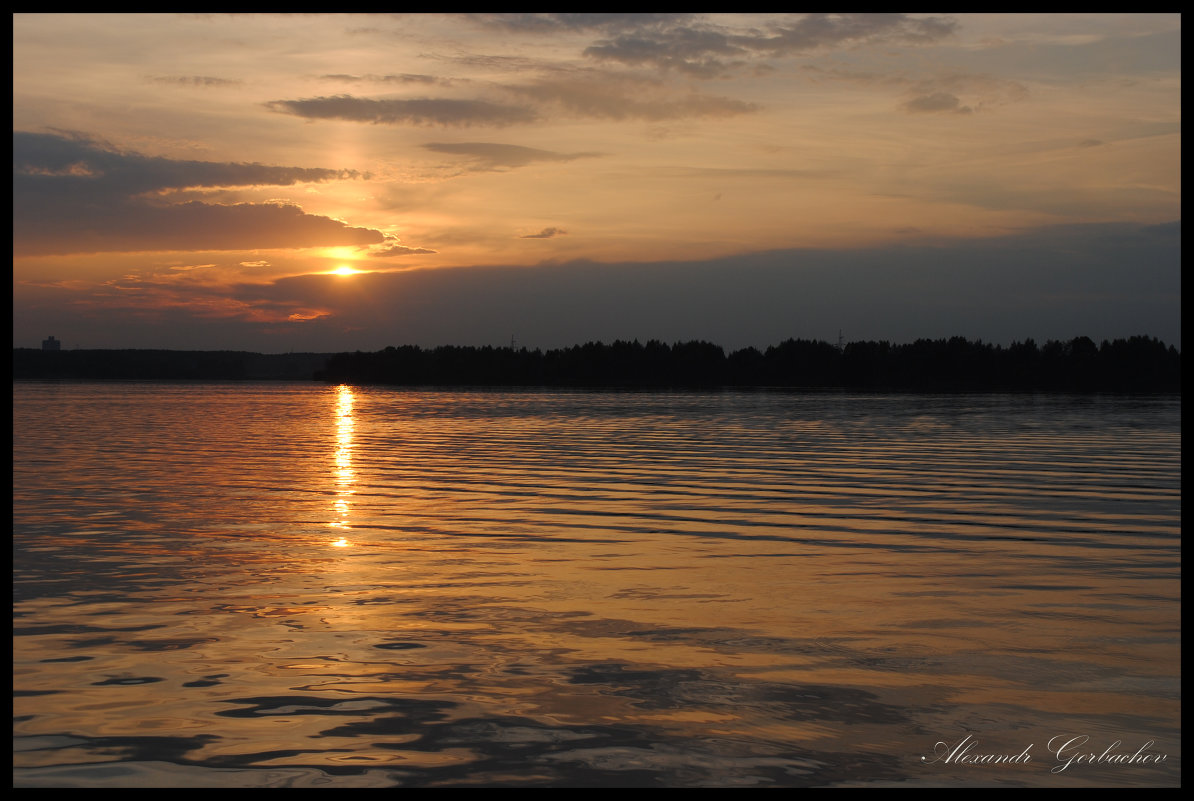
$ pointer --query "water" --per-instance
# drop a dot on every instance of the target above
(301, 585)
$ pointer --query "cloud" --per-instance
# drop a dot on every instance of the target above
(1039, 194)
(863, 77)
(1101, 280)
(399, 250)
(936, 102)
(187, 226)
(587, 94)
(493, 156)
(938, 93)
(494, 63)
(561, 22)
(1111, 55)
(153, 302)
(305, 315)
(815, 31)
(988, 90)
(607, 97)
(405, 78)
(1097, 280)
(193, 80)
(932, 92)
(546, 233)
(422, 111)
(72, 194)
(89, 166)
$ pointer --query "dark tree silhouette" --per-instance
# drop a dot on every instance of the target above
(1138, 364)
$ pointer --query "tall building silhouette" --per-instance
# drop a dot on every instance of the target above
(51, 344)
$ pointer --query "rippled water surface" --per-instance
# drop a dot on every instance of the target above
(302, 585)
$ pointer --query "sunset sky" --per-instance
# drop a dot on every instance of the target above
(319, 183)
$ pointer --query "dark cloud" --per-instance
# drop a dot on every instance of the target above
(696, 52)
(546, 233)
(73, 194)
(706, 47)
(149, 303)
(936, 102)
(640, 38)
(133, 226)
(420, 111)
(708, 50)
(585, 95)
(193, 80)
(88, 166)
(492, 156)
(1101, 280)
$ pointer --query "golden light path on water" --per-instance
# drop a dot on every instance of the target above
(588, 588)
(343, 462)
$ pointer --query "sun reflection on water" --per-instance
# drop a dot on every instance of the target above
(343, 461)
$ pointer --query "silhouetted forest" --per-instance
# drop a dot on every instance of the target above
(1138, 364)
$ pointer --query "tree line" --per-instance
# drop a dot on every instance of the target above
(1136, 364)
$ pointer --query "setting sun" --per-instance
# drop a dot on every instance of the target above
(344, 269)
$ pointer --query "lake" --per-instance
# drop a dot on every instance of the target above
(292, 584)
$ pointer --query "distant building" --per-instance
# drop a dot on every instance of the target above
(51, 344)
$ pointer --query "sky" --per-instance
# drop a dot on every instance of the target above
(278, 183)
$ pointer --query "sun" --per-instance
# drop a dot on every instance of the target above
(344, 269)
